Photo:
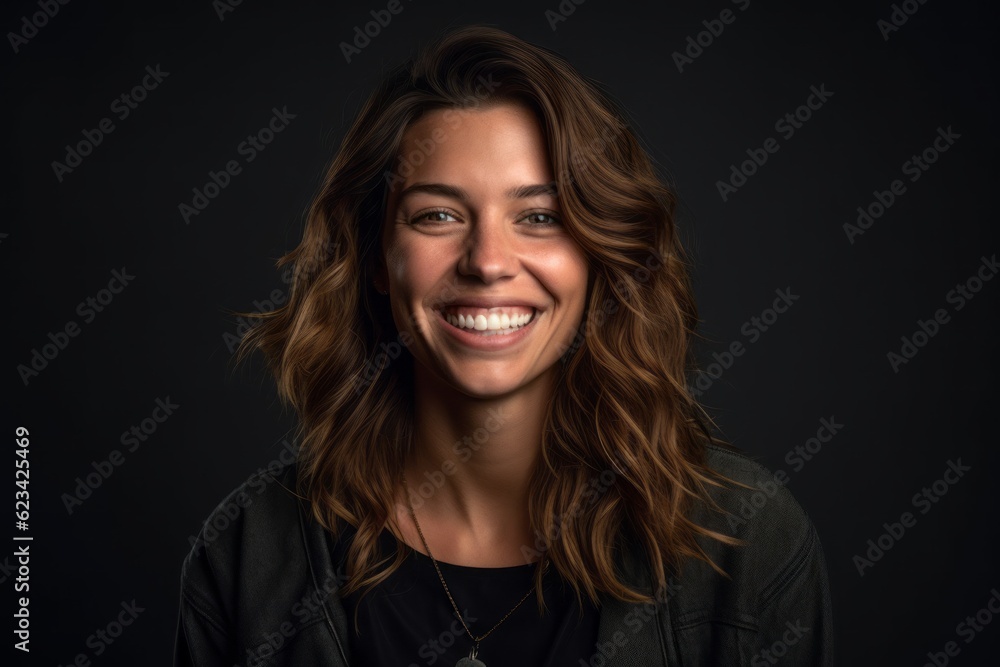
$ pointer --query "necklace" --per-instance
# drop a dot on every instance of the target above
(471, 661)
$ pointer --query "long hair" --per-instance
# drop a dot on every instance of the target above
(623, 447)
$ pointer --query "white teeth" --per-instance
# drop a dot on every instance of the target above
(491, 324)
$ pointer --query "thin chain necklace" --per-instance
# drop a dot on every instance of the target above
(471, 661)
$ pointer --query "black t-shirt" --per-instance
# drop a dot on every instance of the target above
(408, 621)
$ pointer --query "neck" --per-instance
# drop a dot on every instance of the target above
(471, 464)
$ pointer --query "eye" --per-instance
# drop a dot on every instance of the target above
(434, 215)
(541, 219)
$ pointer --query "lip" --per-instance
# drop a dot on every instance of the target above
(494, 342)
(491, 302)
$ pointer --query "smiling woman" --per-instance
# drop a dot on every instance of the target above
(481, 215)
(498, 339)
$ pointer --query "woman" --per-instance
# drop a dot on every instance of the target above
(486, 345)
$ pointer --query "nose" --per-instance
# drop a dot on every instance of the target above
(491, 250)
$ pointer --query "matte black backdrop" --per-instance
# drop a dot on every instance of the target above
(163, 334)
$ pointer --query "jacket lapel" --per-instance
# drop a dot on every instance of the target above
(325, 582)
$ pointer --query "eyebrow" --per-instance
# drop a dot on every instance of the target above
(455, 192)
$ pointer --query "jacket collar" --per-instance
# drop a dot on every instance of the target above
(628, 634)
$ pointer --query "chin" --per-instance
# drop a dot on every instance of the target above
(485, 389)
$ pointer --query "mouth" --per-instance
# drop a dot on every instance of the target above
(485, 322)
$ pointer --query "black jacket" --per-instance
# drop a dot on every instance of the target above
(259, 587)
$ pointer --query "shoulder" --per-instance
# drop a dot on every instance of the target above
(778, 534)
(773, 590)
(768, 496)
(251, 548)
(265, 503)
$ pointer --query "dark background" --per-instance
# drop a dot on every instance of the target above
(163, 335)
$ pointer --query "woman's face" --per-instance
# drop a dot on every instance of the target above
(486, 286)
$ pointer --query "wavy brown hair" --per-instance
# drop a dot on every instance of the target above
(622, 408)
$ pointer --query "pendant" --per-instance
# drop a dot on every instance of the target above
(471, 660)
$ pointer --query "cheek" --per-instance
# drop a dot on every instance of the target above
(403, 262)
(567, 271)
(415, 268)
(396, 260)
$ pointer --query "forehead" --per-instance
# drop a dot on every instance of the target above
(484, 146)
